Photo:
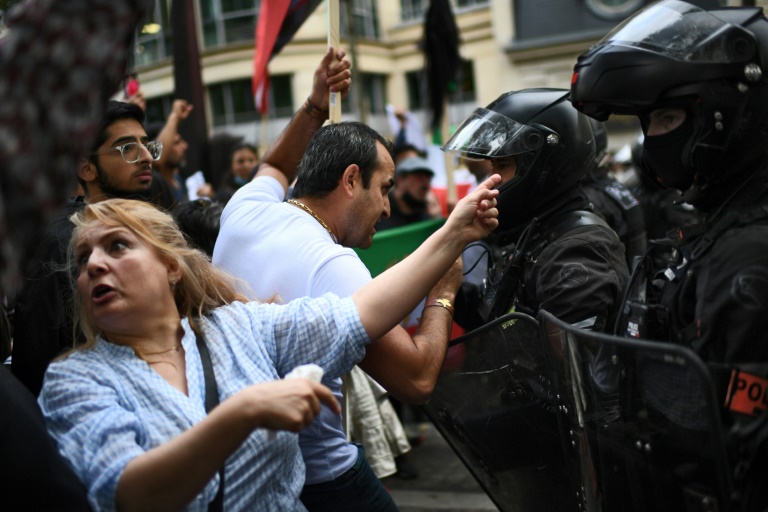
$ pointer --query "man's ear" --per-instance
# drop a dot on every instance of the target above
(351, 179)
(86, 170)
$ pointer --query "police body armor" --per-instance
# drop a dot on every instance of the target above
(739, 392)
(551, 417)
(501, 288)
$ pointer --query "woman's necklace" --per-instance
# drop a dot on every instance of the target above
(143, 355)
(313, 214)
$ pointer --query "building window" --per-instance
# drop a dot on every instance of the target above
(364, 19)
(280, 96)
(232, 102)
(461, 4)
(415, 82)
(614, 9)
(374, 89)
(153, 38)
(461, 91)
(228, 21)
(413, 10)
(464, 90)
(158, 109)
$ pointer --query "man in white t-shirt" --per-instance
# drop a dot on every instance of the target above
(303, 248)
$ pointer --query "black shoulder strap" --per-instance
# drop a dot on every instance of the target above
(557, 227)
(731, 219)
(495, 301)
(211, 401)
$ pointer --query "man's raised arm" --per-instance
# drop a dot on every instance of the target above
(283, 156)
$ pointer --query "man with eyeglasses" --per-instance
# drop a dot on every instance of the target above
(119, 165)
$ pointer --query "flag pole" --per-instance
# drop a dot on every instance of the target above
(334, 116)
(264, 133)
(334, 103)
(450, 185)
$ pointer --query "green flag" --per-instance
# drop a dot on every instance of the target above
(392, 245)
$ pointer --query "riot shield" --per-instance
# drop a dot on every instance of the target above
(641, 423)
(496, 408)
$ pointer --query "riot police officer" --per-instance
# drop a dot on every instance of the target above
(697, 81)
(550, 251)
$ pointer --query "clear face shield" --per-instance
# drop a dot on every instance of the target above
(680, 31)
(488, 134)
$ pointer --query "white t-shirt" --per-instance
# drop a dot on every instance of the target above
(280, 249)
(301, 258)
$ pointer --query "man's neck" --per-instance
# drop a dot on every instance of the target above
(97, 196)
(324, 210)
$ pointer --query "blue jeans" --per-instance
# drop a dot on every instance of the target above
(357, 490)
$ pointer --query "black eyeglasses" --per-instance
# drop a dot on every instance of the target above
(131, 152)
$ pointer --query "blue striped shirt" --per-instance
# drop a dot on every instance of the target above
(105, 406)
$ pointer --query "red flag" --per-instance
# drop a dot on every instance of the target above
(278, 22)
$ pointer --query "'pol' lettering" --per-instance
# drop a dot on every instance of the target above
(747, 393)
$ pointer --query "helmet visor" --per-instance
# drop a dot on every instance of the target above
(677, 30)
(488, 134)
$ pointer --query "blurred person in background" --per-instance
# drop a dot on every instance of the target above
(243, 160)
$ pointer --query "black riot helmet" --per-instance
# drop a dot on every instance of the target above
(552, 144)
(708, 63)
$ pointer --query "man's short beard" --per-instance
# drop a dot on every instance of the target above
(419, 205)
(114, 192)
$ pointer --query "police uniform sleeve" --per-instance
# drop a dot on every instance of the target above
(579, 278)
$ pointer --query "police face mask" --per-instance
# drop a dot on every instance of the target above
(663, 155)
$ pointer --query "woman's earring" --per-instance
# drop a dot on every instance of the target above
(173, 283)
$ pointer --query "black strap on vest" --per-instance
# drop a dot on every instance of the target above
(496, 300)
(211, 401)
(559, 226)
(728, 221)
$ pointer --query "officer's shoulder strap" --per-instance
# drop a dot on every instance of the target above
(556, 227)
(730, 220)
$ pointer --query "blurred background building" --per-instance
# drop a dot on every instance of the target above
(505, 45)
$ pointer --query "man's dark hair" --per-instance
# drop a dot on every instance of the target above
(153, 129)
(332, 149)
(114, 111)
(199, 220)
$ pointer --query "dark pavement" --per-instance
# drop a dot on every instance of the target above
(443, 482)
